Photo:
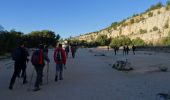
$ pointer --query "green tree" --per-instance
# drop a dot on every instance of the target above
(138, 42)
(102, 40)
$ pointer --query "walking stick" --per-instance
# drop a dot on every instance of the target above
(47, 71)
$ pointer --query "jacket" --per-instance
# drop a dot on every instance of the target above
(63, 56)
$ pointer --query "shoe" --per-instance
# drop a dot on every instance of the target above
(56, 78)
(36, 89)
(41, 83)
(10, 87)
(61, 78)
(25, 82)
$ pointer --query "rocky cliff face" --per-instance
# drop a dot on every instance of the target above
(150, 26)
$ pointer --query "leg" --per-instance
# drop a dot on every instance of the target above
(61, 72)
(24, 73)
(57, 71)
(37, 82)
(17, 70)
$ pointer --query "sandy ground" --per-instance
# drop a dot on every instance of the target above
(90, 77)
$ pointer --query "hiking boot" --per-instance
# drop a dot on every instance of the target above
(10, 87)
(25, 82)
(56, 78)
(61, 78)
(36, 89)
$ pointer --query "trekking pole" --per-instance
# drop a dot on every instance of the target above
(47, 71)
(32, 74)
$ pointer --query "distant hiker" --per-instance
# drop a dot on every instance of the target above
(108, 48)
(67, 49)
(133, 49)
(127, 49)
(19, 55)
(37, 60)
(60, 60)
(115, 49)
(73, 50)
(124, 50)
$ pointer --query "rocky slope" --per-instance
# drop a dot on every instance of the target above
(150, 26)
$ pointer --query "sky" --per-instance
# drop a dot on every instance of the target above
(68, 17)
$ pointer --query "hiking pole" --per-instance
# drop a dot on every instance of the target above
(47, 71)
(32, 74)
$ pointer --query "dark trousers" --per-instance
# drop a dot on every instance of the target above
(17, 70)
(39, 72)
(73, 54)
(59, 70)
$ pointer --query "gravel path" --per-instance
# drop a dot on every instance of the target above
(87, 77)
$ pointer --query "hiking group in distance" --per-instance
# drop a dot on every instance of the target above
(39, 59)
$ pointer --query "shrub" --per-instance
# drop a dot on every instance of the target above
(138, 42)
(120, 41)
(150, 14)
(155, 28)
(132, 21)
(142, 31)
(159, 12)
(102, 40)
(166, 26)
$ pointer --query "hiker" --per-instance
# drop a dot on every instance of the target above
(73, 50)
(37, 60)
(127, 49)
(60, 60)
(19, 55)
(124, 50)
(23, 74)
(133, 49)
(67, 49)
(115, 49)
(107, 48)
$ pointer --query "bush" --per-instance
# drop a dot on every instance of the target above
(159, 12)
(120, 41)
(166, 26)
(166, 41)
(150, 14)
(138, 42)
(132, 21)
(155, 28)
(102, 40)
(142, 31)
(168, 3)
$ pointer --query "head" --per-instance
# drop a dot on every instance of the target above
(60, 45)
(46, 46)
(21, 44)
(41, 46)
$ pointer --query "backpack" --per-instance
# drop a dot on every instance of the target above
(59, 56)
(35, 59)
(16, 55)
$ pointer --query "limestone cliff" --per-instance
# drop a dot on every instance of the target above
(150, 26)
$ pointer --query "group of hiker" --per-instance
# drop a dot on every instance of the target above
(39, 59)
(126, 49)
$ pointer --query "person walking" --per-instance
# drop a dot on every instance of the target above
(73, 50)
(19, 55)
(67, 49)
(37, 60)
(60, 60)
(133, 49)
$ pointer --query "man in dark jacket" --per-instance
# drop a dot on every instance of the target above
(20, 57)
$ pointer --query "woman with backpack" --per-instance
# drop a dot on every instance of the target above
(60, 60)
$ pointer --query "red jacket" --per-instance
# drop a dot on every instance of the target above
(63, 56)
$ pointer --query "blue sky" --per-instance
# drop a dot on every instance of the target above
(67, 17)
